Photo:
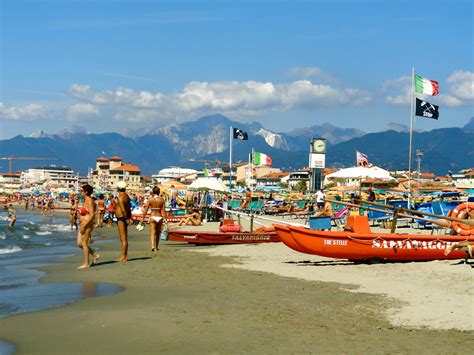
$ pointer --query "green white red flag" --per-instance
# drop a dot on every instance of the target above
(261, 159)
(426, 86)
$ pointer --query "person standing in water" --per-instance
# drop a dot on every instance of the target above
(157, 216)
(11, 215)
(123, 213)
(73, 213)
(86, 227)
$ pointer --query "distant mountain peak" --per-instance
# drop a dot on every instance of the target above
(397, 127)
(38, 134)
(470, 125)
(274, 140)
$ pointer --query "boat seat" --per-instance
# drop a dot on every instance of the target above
(320, 223)
(357, 224)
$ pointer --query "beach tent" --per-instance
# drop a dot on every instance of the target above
(208, 183)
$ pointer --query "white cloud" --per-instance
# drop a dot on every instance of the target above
(28, 112)
(311, 73)
(461, 85)
(82, 110)
(458, 91)
(401, 87)
(228, 97)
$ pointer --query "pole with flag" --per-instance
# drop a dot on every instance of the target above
(425, 86)
(234, 133)
(231, 137)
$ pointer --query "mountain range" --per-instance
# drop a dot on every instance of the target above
(207, 138)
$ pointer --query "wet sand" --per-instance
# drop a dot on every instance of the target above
(177, 301)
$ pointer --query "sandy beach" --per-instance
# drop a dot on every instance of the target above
(249, 299)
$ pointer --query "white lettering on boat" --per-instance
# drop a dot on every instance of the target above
(190, 236)
(410, 244)
(250, 237)
(335, 242)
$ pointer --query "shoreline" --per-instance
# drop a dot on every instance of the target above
(181, 302)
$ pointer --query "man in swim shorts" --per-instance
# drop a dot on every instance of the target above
(123, 213)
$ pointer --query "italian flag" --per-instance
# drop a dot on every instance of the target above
(261, 159)
(426, 86)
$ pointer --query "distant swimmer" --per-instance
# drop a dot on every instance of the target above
(123, 213)
(87, 218)
(157, 217)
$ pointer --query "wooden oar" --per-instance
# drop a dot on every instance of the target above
(442, 221)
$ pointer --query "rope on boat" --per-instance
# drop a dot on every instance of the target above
(260, 217)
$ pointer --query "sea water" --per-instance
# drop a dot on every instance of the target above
(33, 242)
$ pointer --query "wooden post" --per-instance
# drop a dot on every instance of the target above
(251, 224)
(394, 221)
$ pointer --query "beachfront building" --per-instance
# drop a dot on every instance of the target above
(296, 177)
(464, 179)
(45, 178)
(273, 179)
(174, 173)
(108, 172)
(248, 174)
(10, 183)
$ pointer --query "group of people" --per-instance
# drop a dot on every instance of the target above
(123, 215)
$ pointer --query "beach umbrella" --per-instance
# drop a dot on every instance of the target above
(208, 183)
(361, 172)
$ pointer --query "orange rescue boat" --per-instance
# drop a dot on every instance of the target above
(357, 242)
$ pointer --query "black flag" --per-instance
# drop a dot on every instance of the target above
(425, 109)
(239, 134)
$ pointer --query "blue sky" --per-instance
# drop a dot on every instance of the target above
(133, 65)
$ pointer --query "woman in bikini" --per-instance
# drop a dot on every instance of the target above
(157, 216)
(86, 227)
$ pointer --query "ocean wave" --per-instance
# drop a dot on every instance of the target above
(43, 233)
(10, 249)
(2, 236)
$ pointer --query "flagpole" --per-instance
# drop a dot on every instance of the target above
(411, 132)
(230, 159)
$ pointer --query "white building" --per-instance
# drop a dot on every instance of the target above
(60, 178)
(9, 183)
(171, 173)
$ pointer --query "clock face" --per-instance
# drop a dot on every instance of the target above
(319, 145)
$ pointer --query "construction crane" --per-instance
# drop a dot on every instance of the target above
(207, 162)
(11, 158)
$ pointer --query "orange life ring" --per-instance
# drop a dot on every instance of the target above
(460, 212)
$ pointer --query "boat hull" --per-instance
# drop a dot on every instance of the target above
(195, 237)
(382, 246)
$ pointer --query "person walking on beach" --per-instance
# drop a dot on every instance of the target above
(319, 198)
(101, 210)
(157, 217)
(174, 197)
(73, 213)
(86, 226)
(189, 201)
(112, 203)
(123, 213)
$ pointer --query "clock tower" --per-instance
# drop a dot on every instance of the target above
(317, 162)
